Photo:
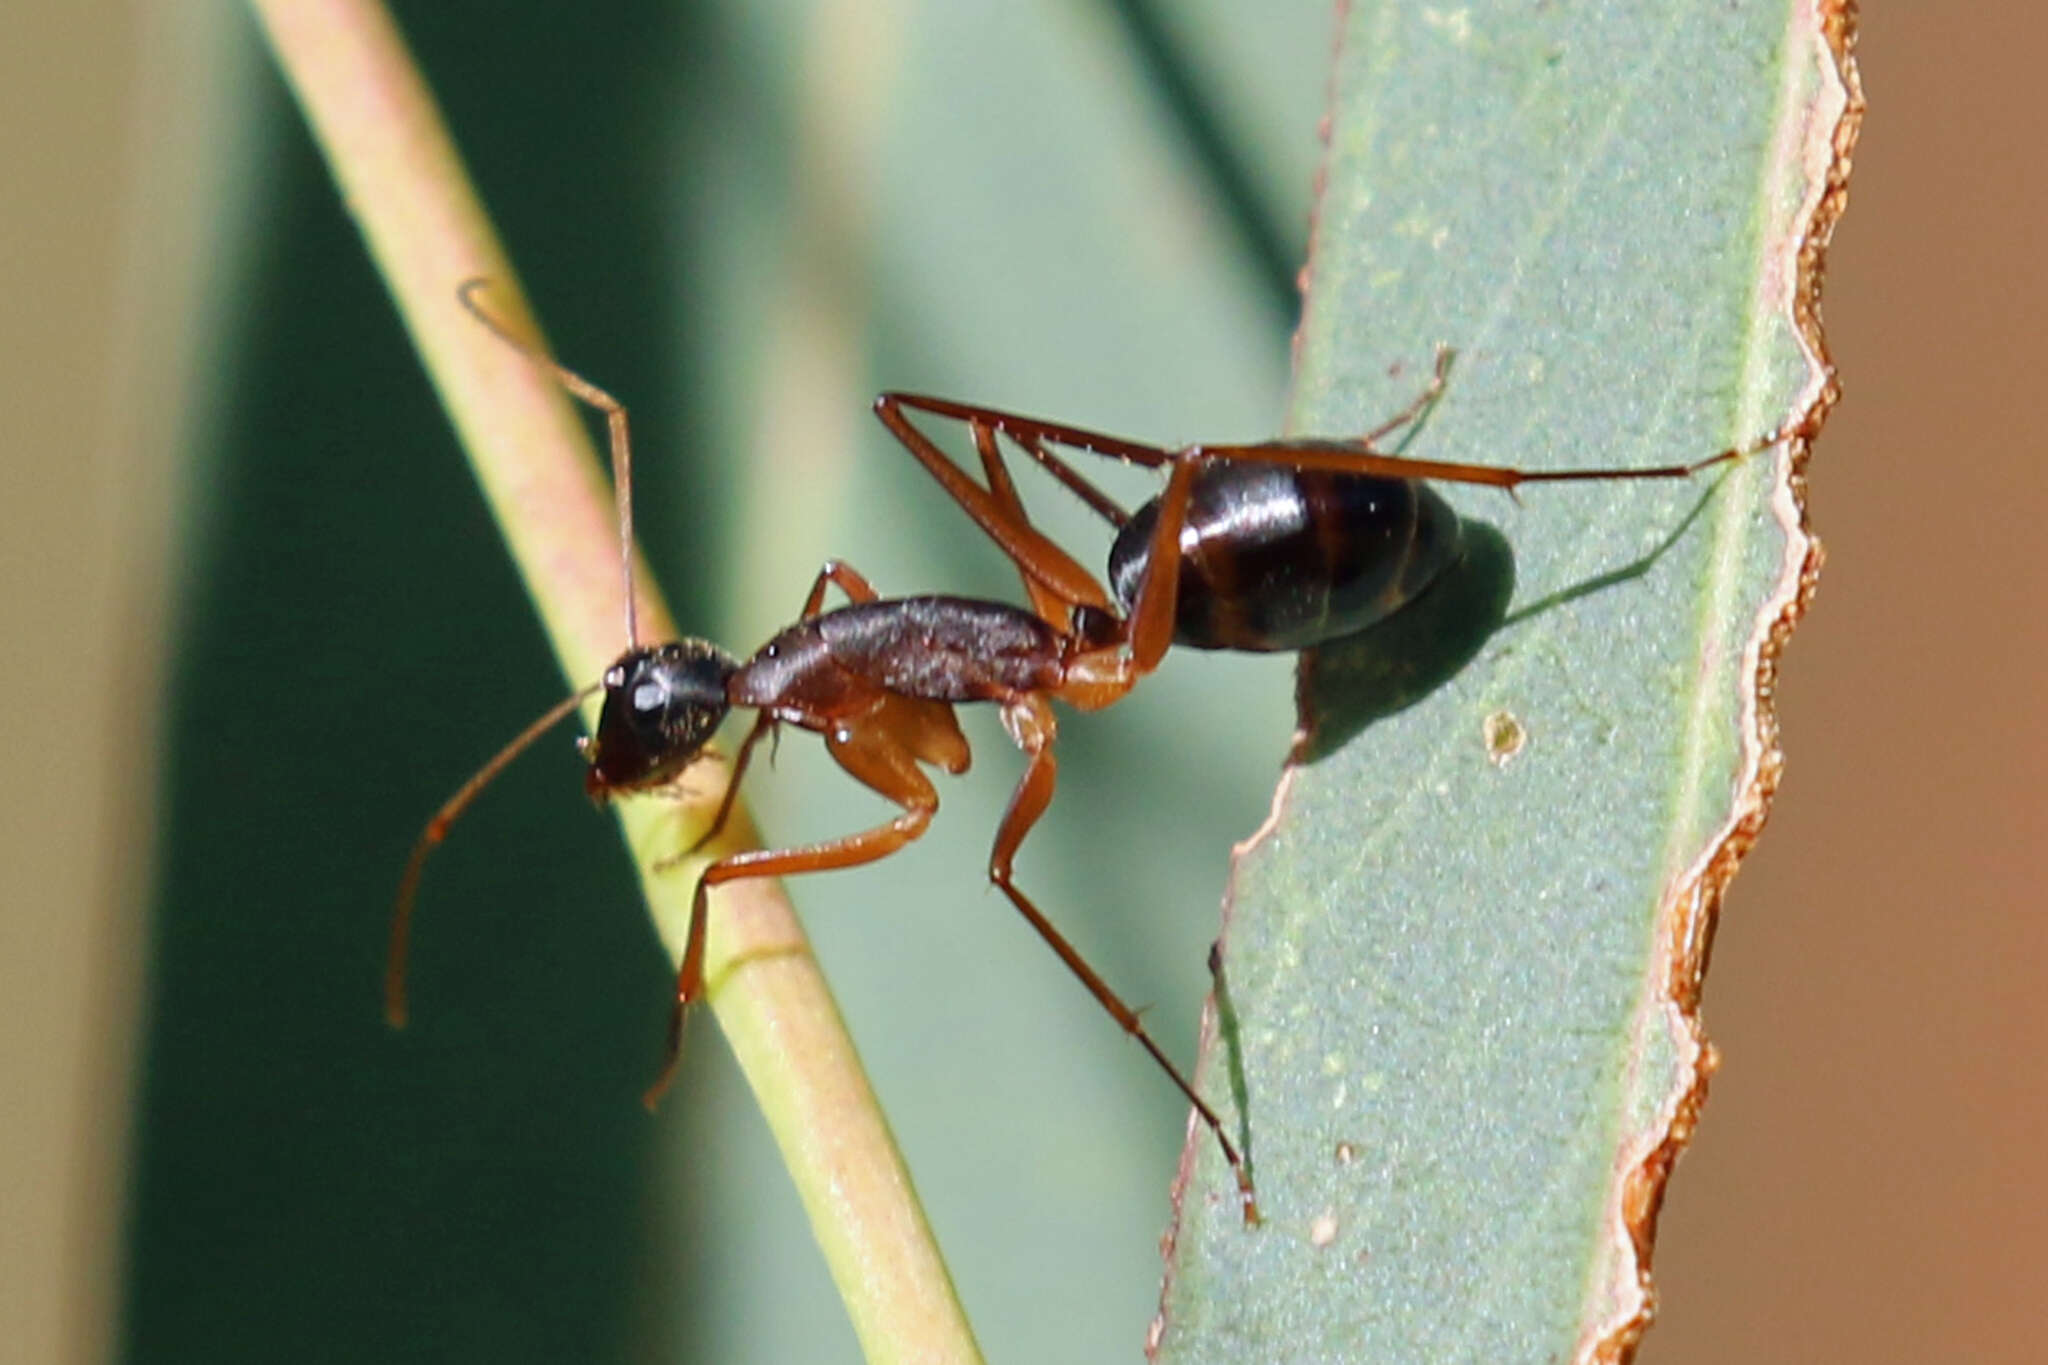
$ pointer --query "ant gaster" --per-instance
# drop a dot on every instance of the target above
(1275, 545)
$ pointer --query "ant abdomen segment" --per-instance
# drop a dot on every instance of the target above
(1260, 570)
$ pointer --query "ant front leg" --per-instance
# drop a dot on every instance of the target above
(857, 589)
(1029, 720)
(871, 750)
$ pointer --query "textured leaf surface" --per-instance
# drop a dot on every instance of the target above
(1460, 959)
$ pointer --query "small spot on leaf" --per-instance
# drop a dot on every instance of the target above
(1505, 738)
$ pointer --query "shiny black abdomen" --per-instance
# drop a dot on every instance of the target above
(1274, 558)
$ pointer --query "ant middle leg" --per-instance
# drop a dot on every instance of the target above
(1030, 723)
(850, 581)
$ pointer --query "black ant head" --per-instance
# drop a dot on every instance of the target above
(662, 704)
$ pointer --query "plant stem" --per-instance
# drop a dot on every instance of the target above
(403, 180)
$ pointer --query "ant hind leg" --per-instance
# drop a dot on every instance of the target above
(1030, 722)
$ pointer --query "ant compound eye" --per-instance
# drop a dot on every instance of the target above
(650, 696)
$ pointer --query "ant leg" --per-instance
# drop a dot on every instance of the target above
(1151, 622)
(763, 723)
(1023, 429)
(1099, 502)
(1424, 401)
(850, 581)
(855, 587)
(1047, 603)
(1358, 455)
(873, 754)
(1032, 552)
(1030, 722)
(1351, 457)
(1032, 437)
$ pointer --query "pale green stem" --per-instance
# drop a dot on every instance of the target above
(403, 180)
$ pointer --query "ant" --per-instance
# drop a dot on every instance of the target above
(1275, 545)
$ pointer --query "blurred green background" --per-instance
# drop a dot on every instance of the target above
(744, 220)
(260, 625)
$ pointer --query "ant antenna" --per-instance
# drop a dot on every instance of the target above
(615, 423)
(437, 830)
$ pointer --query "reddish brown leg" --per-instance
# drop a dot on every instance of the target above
(1423, 401)
(855, 587)
(1353, 456)
(1347, 457)
(870, 750)
(1047, 603)
(1031, 551)
(1030, 722)
(999, 511)
(1023, 429)
(1098, 501)
(850, 582)
(1031, 438)
(763, 724)
(1151, 625)
(1033, 435)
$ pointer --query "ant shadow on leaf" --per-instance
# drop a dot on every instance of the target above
(1346, 685)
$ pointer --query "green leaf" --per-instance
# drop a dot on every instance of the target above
(1462, 959)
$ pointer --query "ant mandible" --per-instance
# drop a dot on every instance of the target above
(1275, 545)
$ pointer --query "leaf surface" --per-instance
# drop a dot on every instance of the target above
(1457, 1011)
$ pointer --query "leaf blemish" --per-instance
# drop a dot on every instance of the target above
(1505, 737)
